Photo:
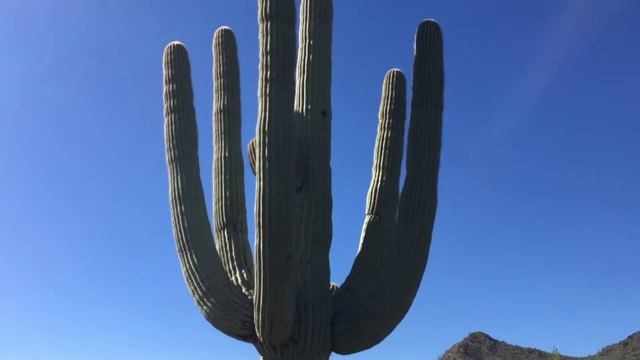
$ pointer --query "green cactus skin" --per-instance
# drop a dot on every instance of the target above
(276, 249)
(397, 233)
(223, 303)
(286, 306)
(228, 172)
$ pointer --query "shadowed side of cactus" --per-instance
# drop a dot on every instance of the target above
(397, 231)
(284, 304)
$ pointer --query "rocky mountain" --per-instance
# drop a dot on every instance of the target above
(480, 346)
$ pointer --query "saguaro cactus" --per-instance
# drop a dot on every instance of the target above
(286, 305)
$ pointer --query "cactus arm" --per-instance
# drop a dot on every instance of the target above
(251, 151)
(222, 303)
(360, 295)
(229, 210)
(313, 173)
(375, 298)
(419, 196)
(277, 267)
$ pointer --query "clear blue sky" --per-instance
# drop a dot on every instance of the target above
(537, 233)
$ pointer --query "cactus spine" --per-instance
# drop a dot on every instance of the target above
(286, 306)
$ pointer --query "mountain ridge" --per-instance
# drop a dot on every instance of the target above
(481, 346)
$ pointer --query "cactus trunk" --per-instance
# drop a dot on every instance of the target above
(285, 305)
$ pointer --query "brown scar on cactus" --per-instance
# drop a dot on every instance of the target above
(282, 301)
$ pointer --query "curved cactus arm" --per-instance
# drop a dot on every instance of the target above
(230, 216)
(277, 267)
(223, 304)
(419, 196)
(379, 291)
(361, 295)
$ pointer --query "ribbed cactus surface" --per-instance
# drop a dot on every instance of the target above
(284, 304)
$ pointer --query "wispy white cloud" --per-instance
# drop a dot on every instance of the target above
(563, 40)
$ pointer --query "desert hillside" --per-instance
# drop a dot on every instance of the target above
(480, 346)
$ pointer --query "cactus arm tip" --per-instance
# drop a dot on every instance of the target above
(251, 153)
